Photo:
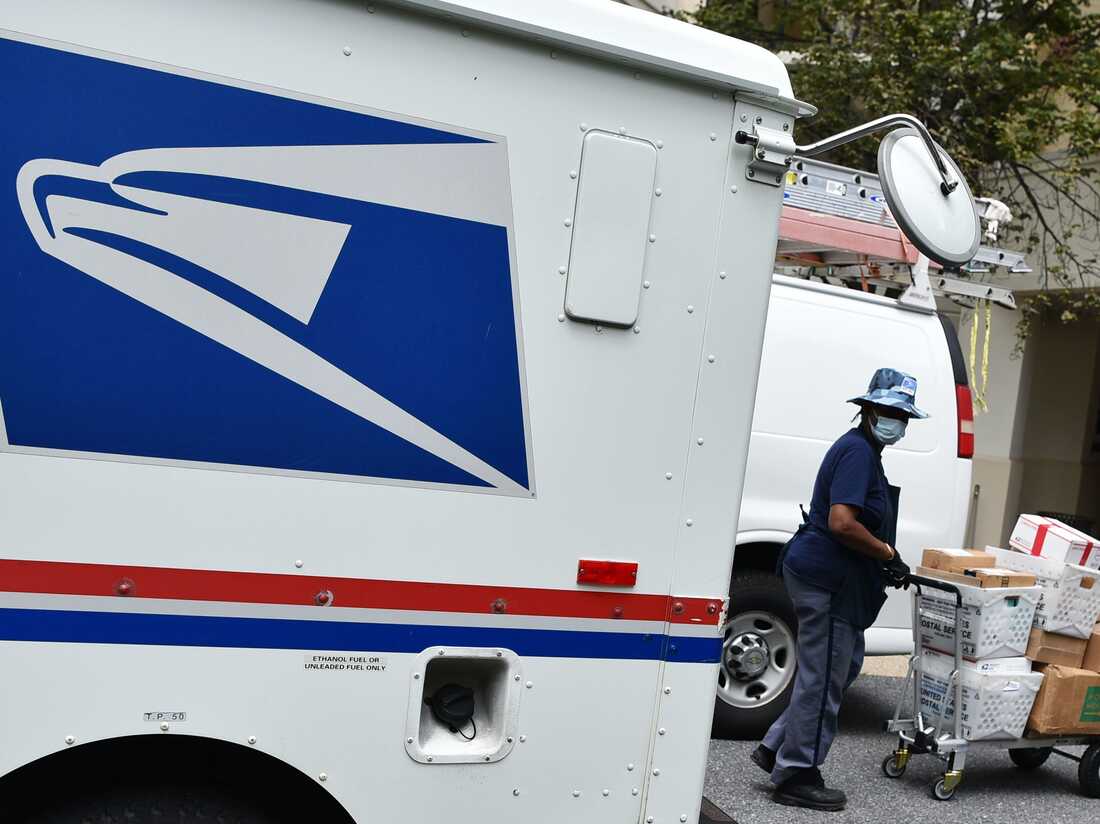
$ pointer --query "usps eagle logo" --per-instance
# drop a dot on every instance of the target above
(345, 307)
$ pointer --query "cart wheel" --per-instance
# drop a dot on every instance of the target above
(940, 791)
(890, 767)
(1088, 771)
(1030, 759)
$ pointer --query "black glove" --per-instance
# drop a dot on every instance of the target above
(896, 572)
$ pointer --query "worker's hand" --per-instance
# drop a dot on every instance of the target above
(896, 572)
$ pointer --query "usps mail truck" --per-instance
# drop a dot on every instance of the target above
(376, 386)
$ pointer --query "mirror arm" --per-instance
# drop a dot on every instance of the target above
(947, 185)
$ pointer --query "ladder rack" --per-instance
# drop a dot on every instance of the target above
(836, 218)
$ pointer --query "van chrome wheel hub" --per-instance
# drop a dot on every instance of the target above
(758, 659)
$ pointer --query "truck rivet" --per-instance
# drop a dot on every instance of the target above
(599, 328)
(606, 793)
(125, 587)
(443, 652)
(683, 817)
(630, 768)
(573, 174)
(678, 608)
(252, 739)
(408, 740)
(529, 684)
(689, 522)
(744, 118)
(576, 793)
(568, 222)
(668, 690)
(652, 238)
(637, 330)
(561, 318)
(722, 275)
(70, 740)
(699, 441)
(658, 191)
(561, 270)
(690, 308)
(660, 144)
(656, 772)
(522, 738)
(713, 136)
(298, 564)
(510, 740)
(487, 758)
(758, 120)
(661, 731)
(634, 791)
(430, 759)
(500, 654)
(786, 127)
(645, 284)
(617, 612)
(668, 476)
(584, 127)
(515, 677)
(751, 173)
(323, 598)
(649, 819)
(515, 791)
(622, 130)
(710, 358)
(164, 726)
(416, 676)
(712, 608)
(347, 51)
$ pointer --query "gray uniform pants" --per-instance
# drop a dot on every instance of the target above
(830, 656)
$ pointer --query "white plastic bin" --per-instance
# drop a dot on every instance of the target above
(995, 622)
(1071, 594)
(995, 705)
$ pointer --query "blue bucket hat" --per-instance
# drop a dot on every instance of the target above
(892, 388)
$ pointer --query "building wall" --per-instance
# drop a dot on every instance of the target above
(663, 5)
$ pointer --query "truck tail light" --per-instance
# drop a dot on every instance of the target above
(607, 573)
(965, 405)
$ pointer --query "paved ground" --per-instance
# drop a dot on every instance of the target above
(993, 790)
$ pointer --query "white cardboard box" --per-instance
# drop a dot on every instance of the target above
(995, 704)
(1046, 538)
(1070, 604)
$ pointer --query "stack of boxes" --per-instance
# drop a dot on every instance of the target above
(993, 627)
(1065, 641)
(1028, 630)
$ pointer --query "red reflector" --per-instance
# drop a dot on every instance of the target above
(966, 421)
(607, 573)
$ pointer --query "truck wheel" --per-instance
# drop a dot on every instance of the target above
(756, 675)
(1088, 771)
(152, 805)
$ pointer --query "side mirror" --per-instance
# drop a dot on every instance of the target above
(927, 194)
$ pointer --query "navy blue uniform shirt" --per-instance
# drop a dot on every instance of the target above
(851, 473)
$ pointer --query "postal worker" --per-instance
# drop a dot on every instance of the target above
(835, 570)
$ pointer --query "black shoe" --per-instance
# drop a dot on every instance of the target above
(764, 758)
(807, 789)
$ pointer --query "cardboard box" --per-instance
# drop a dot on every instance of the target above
(993, 577)
(1091, 558)
(1050, 648)
(1071, 594)
(1068, 702)
(956, 560)
(1046, 538)
(1092, 651)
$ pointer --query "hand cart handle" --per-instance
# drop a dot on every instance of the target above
(919, 581)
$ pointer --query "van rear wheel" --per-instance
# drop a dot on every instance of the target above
(756, 675)
(152, 804)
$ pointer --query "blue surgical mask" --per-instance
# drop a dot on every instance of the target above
(888, 430)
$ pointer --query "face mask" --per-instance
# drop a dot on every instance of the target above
(888, 430)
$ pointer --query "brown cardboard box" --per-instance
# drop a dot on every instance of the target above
(1048, 648)
(990, 578)
(956, 560)
(1068, 702)
(1092, 651)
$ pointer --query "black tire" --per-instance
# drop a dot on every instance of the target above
(941, 793)
(151, 804)
(1030, 759)
(890, 767)
(755, 591)
(1088, 771)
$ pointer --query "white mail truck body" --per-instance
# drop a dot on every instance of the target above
(352, 353)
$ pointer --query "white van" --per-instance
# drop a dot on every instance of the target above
(821, 346)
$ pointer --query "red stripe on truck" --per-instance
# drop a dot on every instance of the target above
(63, 578)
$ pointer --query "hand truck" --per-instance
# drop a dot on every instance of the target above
(919, 735)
